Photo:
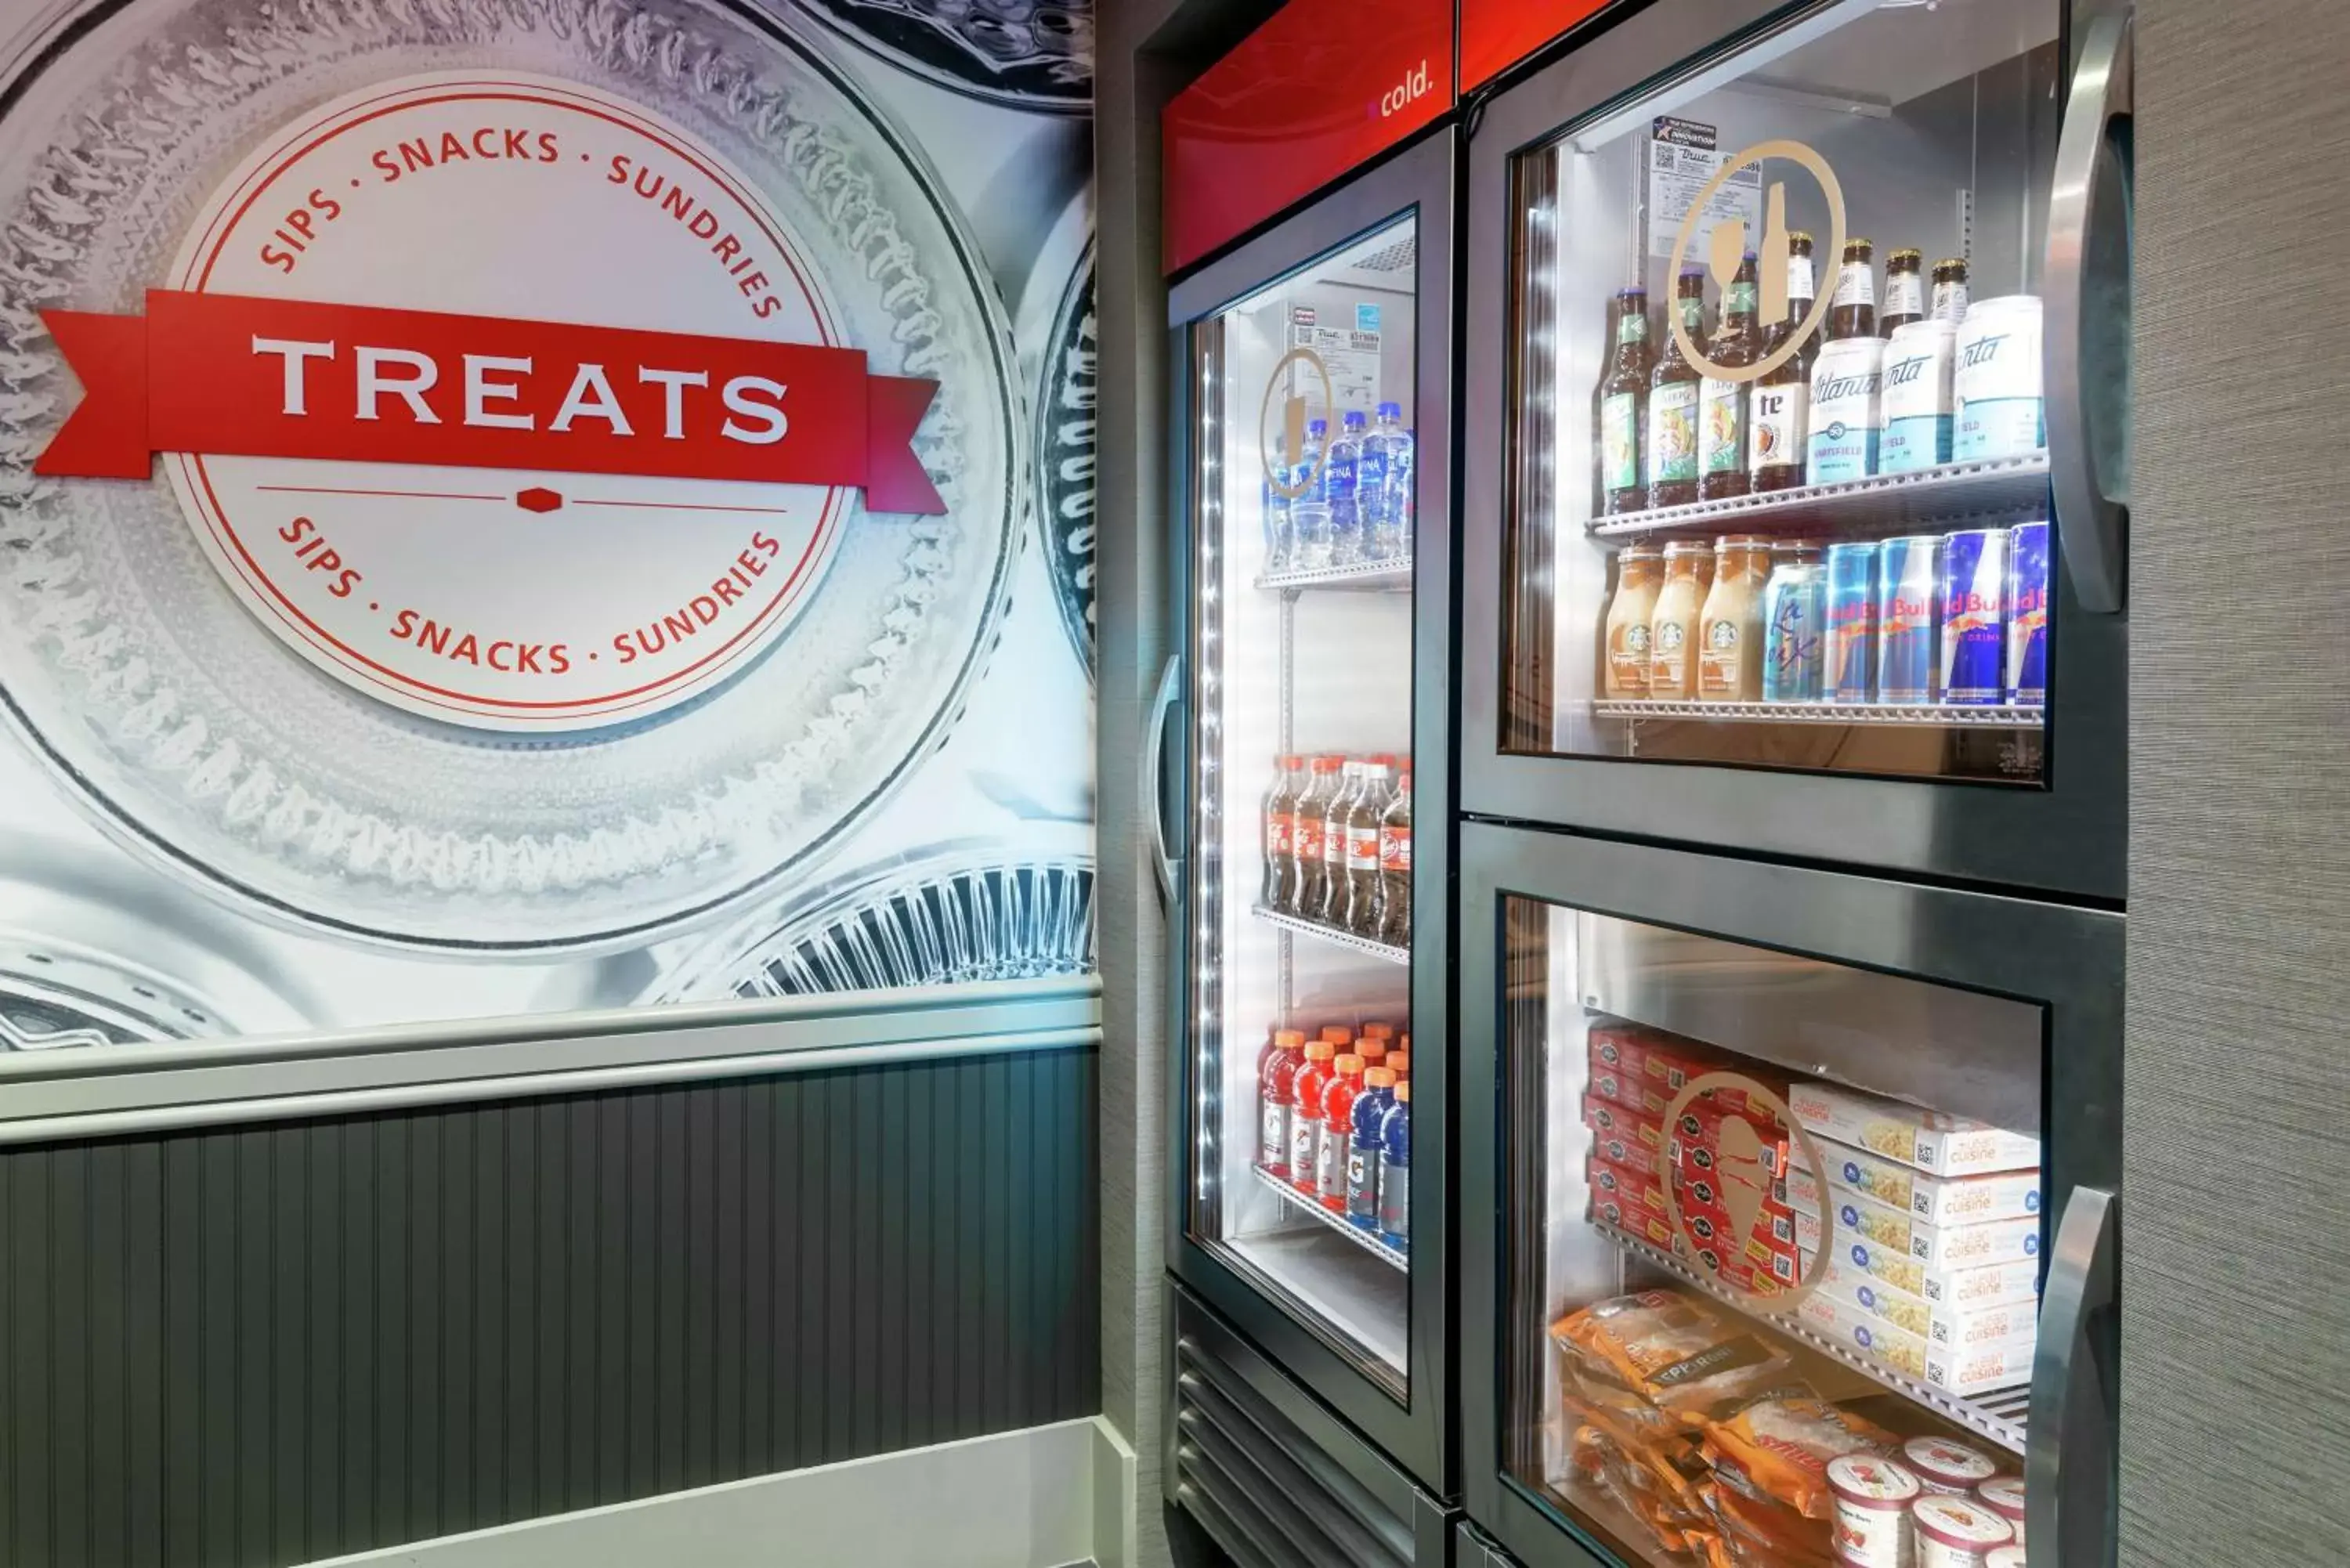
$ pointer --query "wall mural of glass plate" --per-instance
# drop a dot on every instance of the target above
(252, 746)
(1067, 426)
(1017, 52)
(945, 914)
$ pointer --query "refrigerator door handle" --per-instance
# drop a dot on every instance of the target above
(1154, 757)
(2070, 1507)
(2085, 350)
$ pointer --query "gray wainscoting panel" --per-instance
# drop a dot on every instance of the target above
(2236, 1275)
(261, 1345)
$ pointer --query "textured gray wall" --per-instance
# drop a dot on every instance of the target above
(2235, 1260)
(249, 1346)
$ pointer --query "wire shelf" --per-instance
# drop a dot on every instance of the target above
(1367, 1239)
(1999, 1415)
(1359, 577)
(1923, 716)
(1335, 937)
(2005, 488)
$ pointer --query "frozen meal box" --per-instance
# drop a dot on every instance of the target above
(1945, 1247)
(1694, 1144)
(1957, 1371)
(1927, 1140)
(1937, 1200)
(1993, 1284)
(1953, 1328)
(1647, 1070)
(1771, 1233)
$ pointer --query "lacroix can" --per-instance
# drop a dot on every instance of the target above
(2026, 615)
(1847, 411)
(1906, 582)
(1996, 383)
(1973, 640)
(1848, 671)
(1917, 397)
(1794, 616)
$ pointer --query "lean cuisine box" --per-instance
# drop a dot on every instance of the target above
(1938, 1324)
(1929, 1141)
(1942, 1247)
(1936, 1200)
(1992, 1285)
(1974, 1370)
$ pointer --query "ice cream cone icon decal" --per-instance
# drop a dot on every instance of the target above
(1745, 1177)
(1731, 1142)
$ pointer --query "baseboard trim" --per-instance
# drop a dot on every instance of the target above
(1042, 1497)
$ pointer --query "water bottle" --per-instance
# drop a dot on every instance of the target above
(1347, 493)
(1397, 514)
(1309, 511)
(1280, 545)
(1371, 484)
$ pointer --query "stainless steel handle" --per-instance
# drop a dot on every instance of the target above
(2085, 348)
(1170, 681)
(2069, 1487)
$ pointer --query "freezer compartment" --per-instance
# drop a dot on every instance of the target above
(1778, 1229)
(1305, 513)
(1780, 492)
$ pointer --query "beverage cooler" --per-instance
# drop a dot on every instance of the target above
(1795, 438)
(1304, 727)
(1806, 1187)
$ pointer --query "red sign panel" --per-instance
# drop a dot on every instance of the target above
(1322, 86)
(276, 378)
(1497, 33)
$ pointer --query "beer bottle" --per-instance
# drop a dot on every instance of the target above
(1854, 314)
(1394, 868)
(1721, 403)
(1950, 290)
(1280, 802)
(1622, 395)
(1777, 410)
(1905, 292)
(1311, 819)
(1672, 400)
(1330, 909)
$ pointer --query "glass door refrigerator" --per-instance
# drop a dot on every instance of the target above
(1796, 455)
(1309, 1076)
(1795, 531)
(1807, 1216)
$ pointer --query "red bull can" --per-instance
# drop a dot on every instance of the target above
(2026, 616)
(1907, 583)
(1849, 672)
(1974, 637)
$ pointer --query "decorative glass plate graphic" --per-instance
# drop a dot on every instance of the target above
(1018, 52)
(158, 700)
(941, 915)
(1059, 356)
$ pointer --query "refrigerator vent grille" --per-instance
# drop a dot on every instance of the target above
(1261, 1487)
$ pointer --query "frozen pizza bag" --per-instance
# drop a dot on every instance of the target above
(1674, 1352)
(1781, 1446)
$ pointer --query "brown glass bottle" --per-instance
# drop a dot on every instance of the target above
(1905, 292)
(1777, 408)
(1803, 292)
(1620, 406)
(1854, 314)
(1949, 297)
(1721, 400)
(1673, 400)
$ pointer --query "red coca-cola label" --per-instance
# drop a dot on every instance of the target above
(1309, 836)
(1362, 848)
(1395, 849)
(1279, 829)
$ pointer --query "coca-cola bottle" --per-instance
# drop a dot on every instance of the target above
(1330, 909)
(1395, 866)
(1280, 801)
(1362, 817)
(1306, 820)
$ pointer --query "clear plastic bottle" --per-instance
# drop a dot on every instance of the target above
(1280, 541)
(1330, 909)
(1309, 819)
(1397, 507)
(1280, 828)
(1371, 485)
(1346, 470)
(1309, 510)
(1394, 926)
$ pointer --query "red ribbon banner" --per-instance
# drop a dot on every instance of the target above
(232, 376)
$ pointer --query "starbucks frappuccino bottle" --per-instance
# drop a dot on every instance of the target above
(1673, 634)
(1639, 572)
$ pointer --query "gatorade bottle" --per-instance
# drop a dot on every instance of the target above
(1363, 1154)
(1374, 1054)
(1276, 1085)
(1398, 1061)
(1337, 1131)
(1305, 1115)
(1395, 1171)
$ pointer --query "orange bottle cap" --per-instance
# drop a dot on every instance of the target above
(1349, 1065)
(1369, 1050)
(1403, 1091)
(1406, 1043)
(1288, 1039)
(1400, 1061)
(1320, 1050)
(1337, 1034)
(1379, 1078)
(1379, 1030)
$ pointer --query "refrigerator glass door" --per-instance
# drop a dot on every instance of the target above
(1778, 422)
(1756, 1311)
(1303, 413)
